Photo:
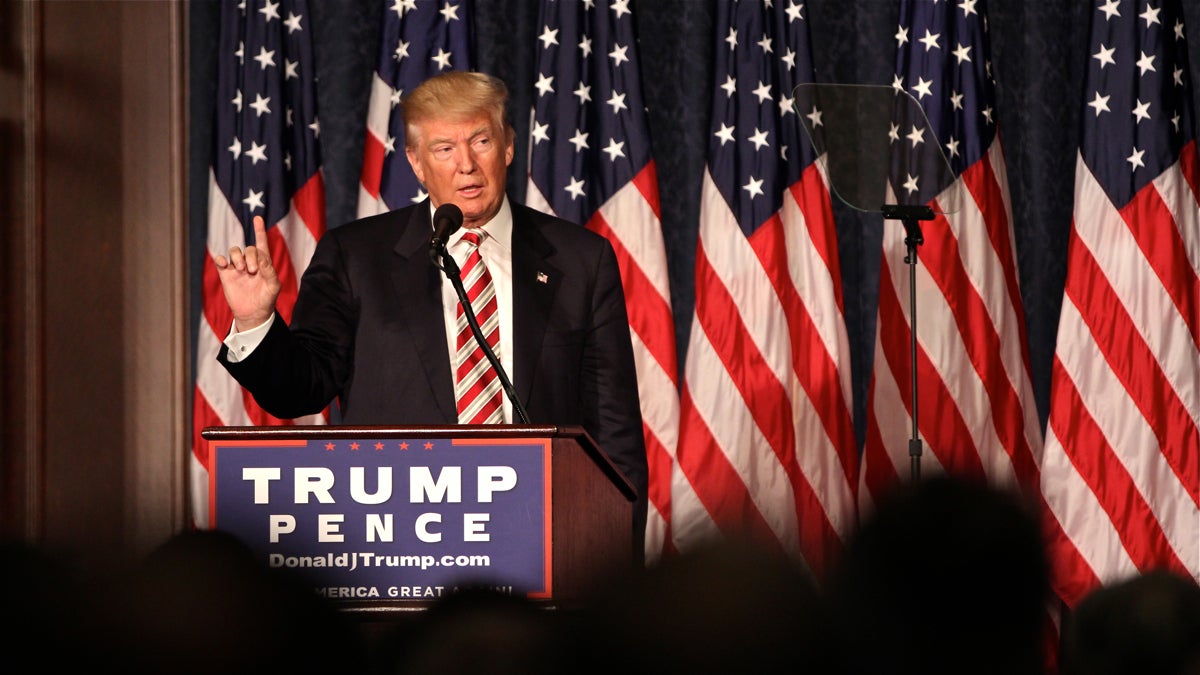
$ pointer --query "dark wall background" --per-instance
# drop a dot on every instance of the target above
(1039, 53)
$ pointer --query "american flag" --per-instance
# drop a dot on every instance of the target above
(766, 448)
(420, 38)
(1120, 469)
(976, 416)
(590, 163)
(266, 162)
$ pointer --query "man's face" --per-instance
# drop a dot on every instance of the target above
(464, 163)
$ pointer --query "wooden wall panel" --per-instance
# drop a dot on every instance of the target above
(20, 255)
(105, 134)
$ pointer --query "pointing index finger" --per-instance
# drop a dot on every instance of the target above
(260, 234)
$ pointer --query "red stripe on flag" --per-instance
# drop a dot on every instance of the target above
(289, 284)
(649, 313)
(813, 197)
(217, 314)
(982, 341)
(1096, 462)
(811, 363)
(1188, 167)
(1071, 575)
(203, 416)
(646, 182)
(763, 394)
(878, 473)
(981, 181)
(1152, 225)
(814, 369)
(658, 461)
(1132, 361)
(309, 203)
(372, 169)
(716, 483)
(767, 401)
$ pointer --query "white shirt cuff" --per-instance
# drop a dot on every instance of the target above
(243, 343)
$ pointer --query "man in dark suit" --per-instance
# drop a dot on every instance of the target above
(374, 324)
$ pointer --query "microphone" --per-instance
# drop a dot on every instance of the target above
(446, 221)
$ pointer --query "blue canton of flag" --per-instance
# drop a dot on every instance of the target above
(589, 135)
(267, 134)
(421, 38)
(943, 65)
(1138, 117)
(758, 148)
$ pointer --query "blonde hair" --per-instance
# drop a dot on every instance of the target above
(456, 96)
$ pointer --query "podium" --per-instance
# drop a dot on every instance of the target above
(383, 519)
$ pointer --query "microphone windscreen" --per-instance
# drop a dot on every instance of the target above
(446, 221)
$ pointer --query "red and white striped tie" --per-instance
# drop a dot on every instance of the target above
(478, 386)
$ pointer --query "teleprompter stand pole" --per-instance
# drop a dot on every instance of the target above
(911, 215)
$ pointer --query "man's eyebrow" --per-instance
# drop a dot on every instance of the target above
(483, 130)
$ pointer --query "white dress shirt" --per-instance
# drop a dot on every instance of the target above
(496, 250)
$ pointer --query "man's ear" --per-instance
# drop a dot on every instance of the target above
(415, 162)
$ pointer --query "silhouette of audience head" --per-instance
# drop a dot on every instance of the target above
(476, 630)
(728, 607)
(1147, 624)
(202, 603)
(41, 603)
(945, 576)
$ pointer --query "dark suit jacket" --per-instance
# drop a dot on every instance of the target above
(367, 329)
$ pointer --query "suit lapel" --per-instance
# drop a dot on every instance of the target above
(417, 284)
(535, 283)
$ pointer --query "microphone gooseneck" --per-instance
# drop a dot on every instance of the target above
(446, 221)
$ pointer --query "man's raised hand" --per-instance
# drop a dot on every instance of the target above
(249, 281)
